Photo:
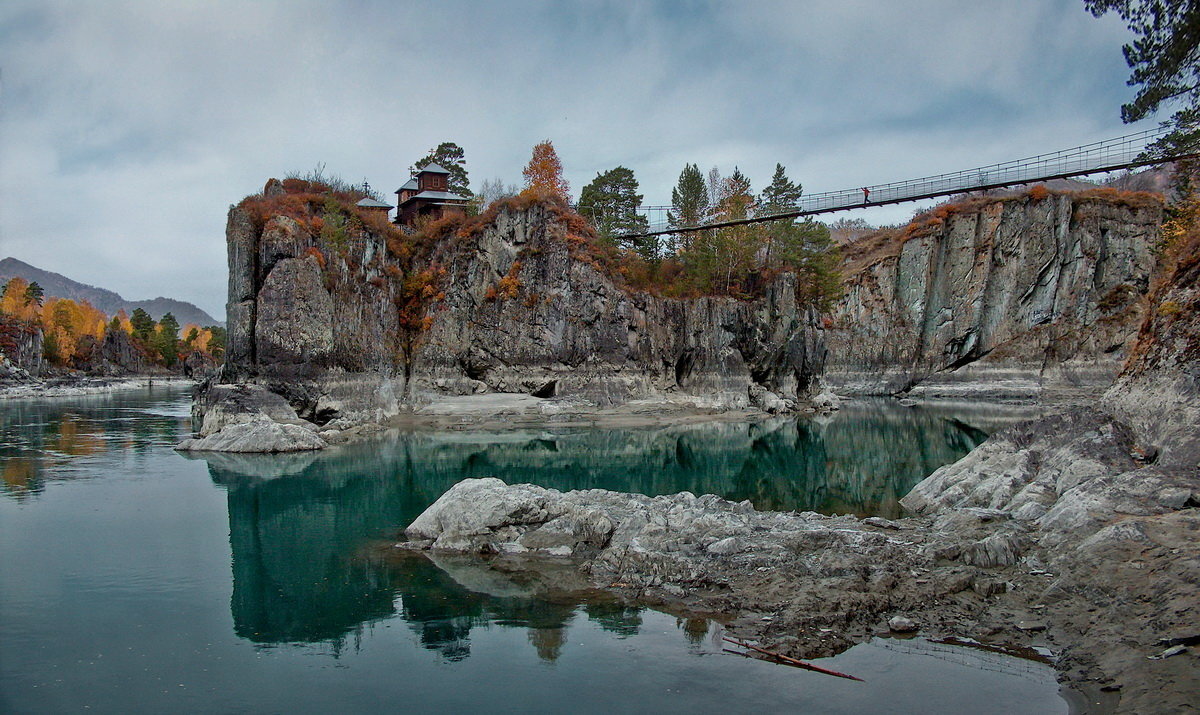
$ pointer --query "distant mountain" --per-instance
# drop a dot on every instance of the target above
(59, 286)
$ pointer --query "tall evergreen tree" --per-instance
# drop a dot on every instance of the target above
(34, 293)
(452, 158)
(611, 201)
(780, 196)
(689, 203)
(216, 344)
(143, 325)
(166, 340)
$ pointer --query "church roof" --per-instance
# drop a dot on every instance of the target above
(432, 168)
(369, 202)
(438, 196)
(410, 184)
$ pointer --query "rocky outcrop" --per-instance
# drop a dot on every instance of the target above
(259, 434)
(525, 311)
(355, 330)
(1029, 296)
(1110, 498)
(21, 346)
(114, 355)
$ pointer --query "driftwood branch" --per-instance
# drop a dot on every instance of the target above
(786, 660)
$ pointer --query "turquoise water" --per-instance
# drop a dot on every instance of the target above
(133, 579)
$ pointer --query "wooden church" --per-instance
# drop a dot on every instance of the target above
(427, 193)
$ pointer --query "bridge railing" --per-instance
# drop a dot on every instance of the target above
(1106, 155)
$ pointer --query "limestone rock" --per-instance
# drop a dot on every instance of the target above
(1010, 297)
(319, 322)
(258, 435)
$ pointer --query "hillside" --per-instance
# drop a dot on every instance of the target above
(59, 286)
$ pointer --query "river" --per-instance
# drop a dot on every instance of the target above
(135, 579)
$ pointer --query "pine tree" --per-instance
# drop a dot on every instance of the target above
(166, 340)
(611, 201)
(143, 325)
(1165, 66)
(780, 196)
(34, 294)
(543, 173)
(452, 158)
(689, 199)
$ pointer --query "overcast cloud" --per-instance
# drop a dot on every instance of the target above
(127, 129)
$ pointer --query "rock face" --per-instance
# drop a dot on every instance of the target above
(21, 346)
(115, 355)
(519, 308)
(1110, 498)
(563, 328)
(1006, 297)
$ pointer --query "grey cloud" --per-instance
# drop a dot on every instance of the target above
(129, 127)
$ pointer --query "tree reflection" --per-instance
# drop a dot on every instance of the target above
(300, 525)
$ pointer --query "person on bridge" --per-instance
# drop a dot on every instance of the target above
(866, 194)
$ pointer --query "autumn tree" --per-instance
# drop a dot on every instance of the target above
(543, 174)
(1164, 60)
(450, 157)
(611, 202)
(14, 303)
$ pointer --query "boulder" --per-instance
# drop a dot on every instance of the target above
(256, 435)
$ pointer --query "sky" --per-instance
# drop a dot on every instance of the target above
(127, 129)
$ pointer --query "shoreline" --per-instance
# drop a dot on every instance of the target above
(80, 386)
(1088, 553)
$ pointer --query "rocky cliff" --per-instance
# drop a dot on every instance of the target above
(1024, 296)
(371, 323)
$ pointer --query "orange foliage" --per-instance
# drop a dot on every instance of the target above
(508, 286)
(124, 321)
(316, 253)
(13, 303)
(544, 171)
(1039, 192)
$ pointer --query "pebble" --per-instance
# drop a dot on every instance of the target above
(900, 624)
(1173, 650)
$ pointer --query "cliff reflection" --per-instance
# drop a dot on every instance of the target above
(305, 529)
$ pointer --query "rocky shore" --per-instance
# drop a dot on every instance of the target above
(1106, 577)
(1077, 532)
(75, 386)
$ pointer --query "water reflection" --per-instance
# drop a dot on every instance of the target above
(46, 440)
(300, 525)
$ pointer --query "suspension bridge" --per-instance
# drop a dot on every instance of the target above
(1126, 152)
